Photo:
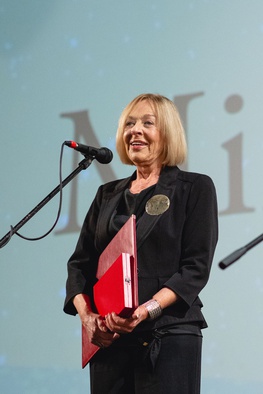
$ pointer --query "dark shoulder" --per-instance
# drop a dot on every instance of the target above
(115, 186)
(188, 176)
(197, 181)
(176, 174)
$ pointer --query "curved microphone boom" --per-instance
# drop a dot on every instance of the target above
(102, 155)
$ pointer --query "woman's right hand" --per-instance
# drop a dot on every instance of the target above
(97, 331)
(94, 324)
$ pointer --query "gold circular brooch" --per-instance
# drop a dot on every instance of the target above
(157, 204)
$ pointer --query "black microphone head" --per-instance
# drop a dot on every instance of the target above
(104, 156)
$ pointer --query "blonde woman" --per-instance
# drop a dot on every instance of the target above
(158, 349)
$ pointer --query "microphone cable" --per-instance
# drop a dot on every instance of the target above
(12, 232)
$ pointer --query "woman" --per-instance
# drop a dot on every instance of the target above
(158, 349)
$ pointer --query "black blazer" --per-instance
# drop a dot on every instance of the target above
(175, 248)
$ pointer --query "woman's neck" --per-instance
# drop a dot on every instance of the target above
(145, 178)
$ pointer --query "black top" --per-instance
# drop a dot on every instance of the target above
(130, 204)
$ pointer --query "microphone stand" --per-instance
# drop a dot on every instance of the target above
(230, 259)
(83, 165)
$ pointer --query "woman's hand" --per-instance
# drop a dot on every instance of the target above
(94, 324)
(115, 323)
(97, 331)
(121, 325)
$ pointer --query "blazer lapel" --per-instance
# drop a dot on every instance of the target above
(147, 222)
(112, 200)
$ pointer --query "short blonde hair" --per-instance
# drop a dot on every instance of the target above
(168, 123)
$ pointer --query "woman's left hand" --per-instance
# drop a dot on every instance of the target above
(122, 325)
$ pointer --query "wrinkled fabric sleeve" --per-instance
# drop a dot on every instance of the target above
(82, 265)
(199, 239)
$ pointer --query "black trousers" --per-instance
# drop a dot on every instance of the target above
(126, 369)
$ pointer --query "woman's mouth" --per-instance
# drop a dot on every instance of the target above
(137, 144)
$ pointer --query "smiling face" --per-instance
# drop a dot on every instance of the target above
(142, 138)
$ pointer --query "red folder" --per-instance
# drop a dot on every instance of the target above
(114, 291)
(117, 287)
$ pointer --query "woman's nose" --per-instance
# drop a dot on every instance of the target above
(136, 128)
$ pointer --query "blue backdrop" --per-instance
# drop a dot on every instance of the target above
(67, 69)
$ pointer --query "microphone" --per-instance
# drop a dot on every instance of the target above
(102, 155)
(230, 259)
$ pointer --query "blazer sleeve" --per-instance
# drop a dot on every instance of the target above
(82, 265)
(199, 239)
